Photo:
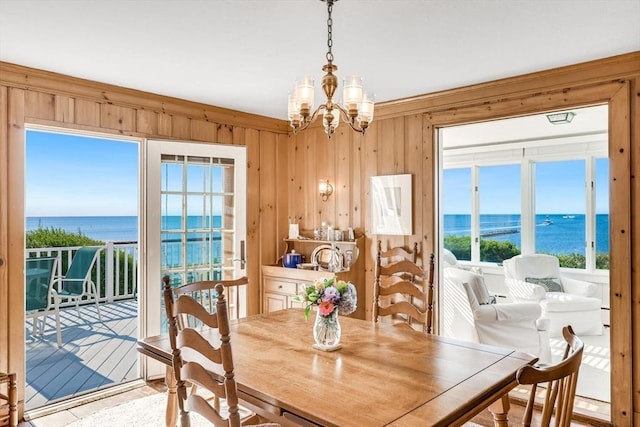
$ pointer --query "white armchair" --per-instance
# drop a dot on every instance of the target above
(468, 315)
(564, 301)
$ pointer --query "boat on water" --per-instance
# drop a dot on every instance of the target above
(568, 216)
(547, 221)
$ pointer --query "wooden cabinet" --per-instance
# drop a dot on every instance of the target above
(280, 285)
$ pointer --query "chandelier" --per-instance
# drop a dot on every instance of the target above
(357, 108)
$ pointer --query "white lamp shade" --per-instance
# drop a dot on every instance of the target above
(352, 91)
(304, 92)
(365, 110)
(293, 108)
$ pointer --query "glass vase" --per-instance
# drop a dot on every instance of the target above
(326, 331)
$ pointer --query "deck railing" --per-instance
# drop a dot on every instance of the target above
(115, 272)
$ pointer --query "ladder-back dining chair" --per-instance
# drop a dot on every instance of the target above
(40, 294)
(8, 400)
(190, 308)
(400, 289)
(204, 292)
(77, 283)
(561, 379)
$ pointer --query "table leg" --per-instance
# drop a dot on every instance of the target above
(500, 411)
(171, 417)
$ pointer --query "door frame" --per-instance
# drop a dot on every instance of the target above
(150, 236)
(616, 95)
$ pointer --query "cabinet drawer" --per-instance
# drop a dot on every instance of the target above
(280, 286)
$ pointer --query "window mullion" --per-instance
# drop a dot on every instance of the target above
(528, 207)
(590, 217)
(475, 214)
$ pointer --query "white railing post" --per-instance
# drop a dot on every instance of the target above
(108, 260)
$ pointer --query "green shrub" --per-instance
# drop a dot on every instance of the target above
(490, 250)
(496, 251)
(59, 238)
(56, 238)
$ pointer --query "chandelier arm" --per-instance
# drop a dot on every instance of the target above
(348, 119)
(304, 125)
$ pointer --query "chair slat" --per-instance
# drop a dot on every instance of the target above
(400, 288)
(561, 379)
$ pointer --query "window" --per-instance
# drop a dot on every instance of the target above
(499, 208)
(560, 203)
(456, 201)
(539, 189)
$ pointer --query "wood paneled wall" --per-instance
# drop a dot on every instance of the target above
(29, 97)
(402, 139)
(283, 172)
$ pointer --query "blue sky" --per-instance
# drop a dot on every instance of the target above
(71, 175)
(560, 188)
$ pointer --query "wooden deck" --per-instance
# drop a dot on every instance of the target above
(94, 354)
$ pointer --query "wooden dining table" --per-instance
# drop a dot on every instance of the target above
(381, 376)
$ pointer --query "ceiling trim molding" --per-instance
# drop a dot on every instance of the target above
(615, 68)
(22, 77)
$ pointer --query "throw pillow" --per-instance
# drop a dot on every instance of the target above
(550, 284)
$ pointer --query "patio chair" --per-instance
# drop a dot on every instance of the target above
(40, 295)
(77, 283)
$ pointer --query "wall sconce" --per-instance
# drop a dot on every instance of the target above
(325, 189)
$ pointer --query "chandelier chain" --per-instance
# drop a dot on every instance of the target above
(329, 31)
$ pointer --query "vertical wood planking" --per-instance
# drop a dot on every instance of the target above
(15, 235)
(325, 169)
(356, 213)
(269, 240)
(620, 251)
(4, 241)
(146, 122)
(254, 260)
(203, 131)
(225, 134)
(39, 105)
(87, 113)
(238, 136)
(65, 109)
(181, 127)
(165, 125)
(313, 137)
(281, 189)
(122, 119)
(635, 243)
(369, 169)
(342, 191)
(391, 161)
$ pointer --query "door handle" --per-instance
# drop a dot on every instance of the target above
(242, 259)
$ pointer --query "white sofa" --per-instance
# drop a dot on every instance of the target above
(469, 315)
(535, 278)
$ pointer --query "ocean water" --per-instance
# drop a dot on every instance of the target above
(114, 228)
(202, 245)
(559, 234)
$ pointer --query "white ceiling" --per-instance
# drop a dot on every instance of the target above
(246, 54)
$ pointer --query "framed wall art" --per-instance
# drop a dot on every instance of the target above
(391, 204)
